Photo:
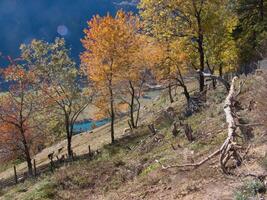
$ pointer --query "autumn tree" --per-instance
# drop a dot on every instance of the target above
(21, 128)
(140, 61)
(57, 78)
(251, 31)
(171, 66)
(221, 50)
(186, 20)
(109, 43)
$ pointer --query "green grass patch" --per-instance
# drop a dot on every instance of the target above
(43, 190)
(149, 169)
(197, 146)
(249, 190)
(33, 189)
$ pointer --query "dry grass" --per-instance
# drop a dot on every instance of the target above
(96, 140)
(127, 170)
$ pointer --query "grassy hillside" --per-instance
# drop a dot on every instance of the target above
(131, 168)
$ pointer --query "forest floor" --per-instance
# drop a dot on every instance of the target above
(130, 168)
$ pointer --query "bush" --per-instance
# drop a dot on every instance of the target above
(249, 189)
(43, 191)
(240, 196)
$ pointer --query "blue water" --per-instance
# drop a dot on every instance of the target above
(88, 125)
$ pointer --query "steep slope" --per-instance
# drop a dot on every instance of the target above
(132, 168)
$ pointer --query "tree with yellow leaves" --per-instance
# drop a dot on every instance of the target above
(143, 57)
(172, 64)
(189, 21)
(109, 43)
(56, 79)
(221, 51)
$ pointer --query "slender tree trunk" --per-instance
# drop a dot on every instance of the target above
(69, 135)
(261, 7)
(214, 82)
(201, 53)
(170, 93)
(220, 71)
(186, 94)
(138, 112)
(181, 83)
(69, 140)
(22, 133)
(132, 105)
(26, 152)
(29, 161)
(112, 113)
(201, 82)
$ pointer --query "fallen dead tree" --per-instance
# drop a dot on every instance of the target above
(230, 149)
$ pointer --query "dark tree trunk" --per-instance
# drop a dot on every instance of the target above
(138, 113)
(214, 82)
(132, 105)
(201, 53)
(182, 84)
(152, 129)
(69, 134)
(26, 152)
(112, 113)
(261, 8)
(29, 161)
(220, 71)
(69, 140)
(112, 123)
(188, 132)
(186, 94)
(201, 82)
(170, 93)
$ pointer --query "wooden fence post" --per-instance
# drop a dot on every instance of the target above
(34, 167)
(50, 156)
(152, 129)
(51, 165)
(15, 174)
(89, 150)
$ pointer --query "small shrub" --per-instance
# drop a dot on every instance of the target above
(249, 189)
(149, 169)
(43, 191)
(197, 146)
(110, 151)
(240, 196)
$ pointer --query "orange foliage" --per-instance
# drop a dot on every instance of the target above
(110, 43)
(17, 113)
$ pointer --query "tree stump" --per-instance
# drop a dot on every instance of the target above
(175, 130)
(188, 132)
(152, 129)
